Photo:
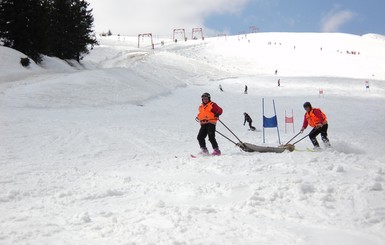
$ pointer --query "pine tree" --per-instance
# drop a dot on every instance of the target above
(22, 26)
(61, 28)
(83, 29)
(72, 32)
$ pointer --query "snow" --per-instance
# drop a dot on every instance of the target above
(10, 67)
(100, 153)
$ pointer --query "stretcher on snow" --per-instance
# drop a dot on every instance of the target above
(247, 147)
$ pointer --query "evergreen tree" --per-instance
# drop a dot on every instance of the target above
(83, 36)
(59, 33)
(61, 28)
(23, 26)
(71, 28)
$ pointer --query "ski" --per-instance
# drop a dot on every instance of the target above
(200, 155)
(312, 150)
(305, 150)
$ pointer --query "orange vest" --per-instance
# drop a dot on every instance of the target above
(206, 115)
(313, 120)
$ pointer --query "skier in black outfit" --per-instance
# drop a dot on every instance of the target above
(249, 120)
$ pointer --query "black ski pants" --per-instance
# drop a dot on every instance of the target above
(250, 125)
(316, 131)
(250, 122)
(207, 129)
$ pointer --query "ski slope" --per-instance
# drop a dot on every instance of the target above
(100, 153)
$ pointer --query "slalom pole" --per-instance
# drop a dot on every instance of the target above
(263, 118)
(230, 131)
(275, 112)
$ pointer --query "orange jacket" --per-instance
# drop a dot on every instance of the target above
(314, 117)
(207, 113)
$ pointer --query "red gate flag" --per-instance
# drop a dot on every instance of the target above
(289, 119)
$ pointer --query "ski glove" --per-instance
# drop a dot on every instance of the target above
(216, 115)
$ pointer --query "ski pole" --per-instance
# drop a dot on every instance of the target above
(301, 139)
(292, 138)
(230, 131)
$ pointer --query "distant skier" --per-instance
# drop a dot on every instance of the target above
(279, 82)
(276, 72)
(220, 88)
(249, 120)
(318, 120)
(246, 89)
(208, 116)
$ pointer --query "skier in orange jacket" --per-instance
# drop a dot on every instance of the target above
(318, 120)
(208, 116)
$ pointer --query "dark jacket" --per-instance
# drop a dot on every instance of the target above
(247, 119)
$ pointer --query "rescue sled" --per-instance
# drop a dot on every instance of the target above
(247, 147)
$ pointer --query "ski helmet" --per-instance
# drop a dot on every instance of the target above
(307, 104)
(206, 95)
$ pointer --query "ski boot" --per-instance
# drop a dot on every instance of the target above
(317, 148)
(216, 152)
(326, 142)
(204, 151)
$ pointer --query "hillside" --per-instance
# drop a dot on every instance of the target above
(100, 153)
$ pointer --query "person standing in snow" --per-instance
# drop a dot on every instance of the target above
(279, 82)
(249, 120)
(318, 120)
(208, 116)
(246, 89)
(220, 88)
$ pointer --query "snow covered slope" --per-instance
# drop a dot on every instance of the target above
(101, 153)
(10, 67)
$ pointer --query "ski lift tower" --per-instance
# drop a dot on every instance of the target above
(197, 31)
(146, 35)
(179, 31)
